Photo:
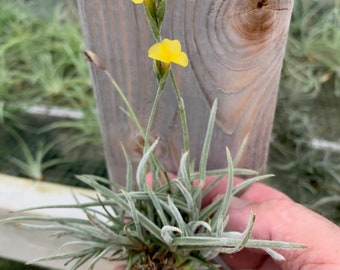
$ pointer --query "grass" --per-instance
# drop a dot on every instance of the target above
(40, 56)
(313, 56)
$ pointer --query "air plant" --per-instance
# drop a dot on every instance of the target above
(158, 224)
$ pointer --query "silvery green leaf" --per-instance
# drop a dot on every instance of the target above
(246, 183)
(156, 202)
(99, 256)
(83, 243)
(80, 261)
(207, 141)
(129, 179)
(166, 233)
(178, 217)
(194, 225)
(219, 228)
(188, 198)
(183, 170)
(245, 235)
(241, 150)
(205, 153)
(108, 231)
(222, 172)
(147, 223)
(154, 27)
(182, 112)
(221, 242)
(222, 211)
(63, 256)
(275, 255)
(161, 11)
(134, 214)
(141, 169)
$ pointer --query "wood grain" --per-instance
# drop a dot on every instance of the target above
(235, 48)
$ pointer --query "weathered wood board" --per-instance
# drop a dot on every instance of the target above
(22, 244)
(235, 48)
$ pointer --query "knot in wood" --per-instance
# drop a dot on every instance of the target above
(262, 3)
(254, 19)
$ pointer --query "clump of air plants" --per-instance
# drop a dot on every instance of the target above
(162, 223)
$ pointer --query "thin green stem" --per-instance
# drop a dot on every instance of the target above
(182, 113)
(127, 104)
(152, 116)
(154, 161)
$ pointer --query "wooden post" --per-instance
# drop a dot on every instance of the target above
(235, 49)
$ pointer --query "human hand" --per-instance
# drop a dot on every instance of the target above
(279, 218)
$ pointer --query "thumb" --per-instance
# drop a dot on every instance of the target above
(285, 220)
(277, 220)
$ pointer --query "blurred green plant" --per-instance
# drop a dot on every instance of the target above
(33, 164)
(313, 55)
(310, 76)
(41, 63)
(40, 57)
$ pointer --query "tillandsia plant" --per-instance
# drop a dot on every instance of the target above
(161, 223)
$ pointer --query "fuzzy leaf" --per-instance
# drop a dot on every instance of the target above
(241, 151)
(204, 155)
(156, 202)
(246, 183)
(166, 230)
(222, 211)
(141, 169)
(134, 214)
(194, 225)
(178, 217)
(183, 170)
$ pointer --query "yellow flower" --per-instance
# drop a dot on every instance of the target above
(168, 51)
(147, 2)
